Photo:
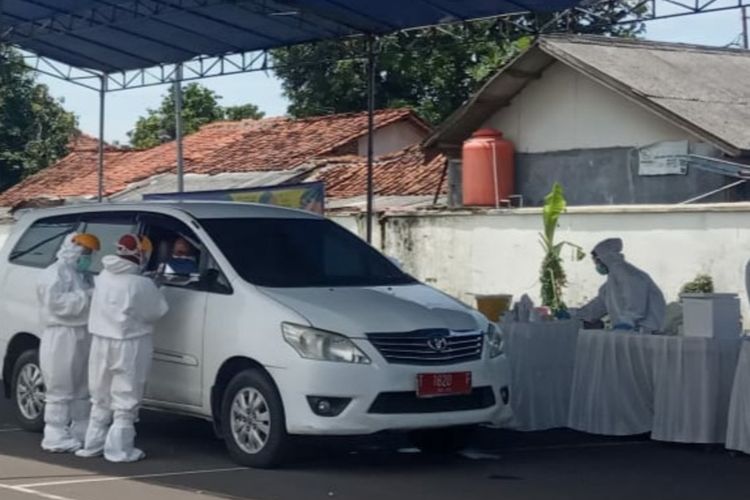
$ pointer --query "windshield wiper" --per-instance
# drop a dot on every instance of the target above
(21, 253)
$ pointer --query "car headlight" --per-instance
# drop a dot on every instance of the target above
(323, 346)
(495, 341)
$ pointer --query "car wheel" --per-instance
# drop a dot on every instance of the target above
(253, 420)
(27, 391)
(444, 440)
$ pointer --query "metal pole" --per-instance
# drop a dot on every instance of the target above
(370, 131)
(100, 171)
(745, 43)
(178, 127)
(2, 18)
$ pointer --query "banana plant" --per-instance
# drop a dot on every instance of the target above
(552, 274)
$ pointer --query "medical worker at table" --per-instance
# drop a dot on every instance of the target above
(629, 297)
(64, 296)
(124, 310)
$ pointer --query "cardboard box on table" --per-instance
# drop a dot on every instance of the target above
(712, 315)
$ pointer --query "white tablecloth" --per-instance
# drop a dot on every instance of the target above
(542, 359)
(692, 385)
(738, 431)
(613, 390)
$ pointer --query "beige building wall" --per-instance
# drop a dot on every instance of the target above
(392, 138)
(566, 110)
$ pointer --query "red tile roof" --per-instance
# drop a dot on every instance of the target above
(248, 145)
(62, 179)
(410, 172)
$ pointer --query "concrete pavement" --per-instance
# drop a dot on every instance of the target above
(185, 461)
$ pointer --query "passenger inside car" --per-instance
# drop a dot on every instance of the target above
(183, 261)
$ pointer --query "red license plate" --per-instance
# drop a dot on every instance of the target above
(443, 384)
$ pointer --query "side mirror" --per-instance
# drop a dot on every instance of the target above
(209, 278)
(210, 281)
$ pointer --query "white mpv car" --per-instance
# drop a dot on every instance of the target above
(290, 325)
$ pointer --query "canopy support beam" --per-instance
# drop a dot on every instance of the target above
(370, 131)
(100, 166)
(177, 89)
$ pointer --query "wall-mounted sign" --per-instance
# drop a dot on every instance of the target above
(663, 158)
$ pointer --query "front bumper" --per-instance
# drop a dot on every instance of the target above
(364, 383)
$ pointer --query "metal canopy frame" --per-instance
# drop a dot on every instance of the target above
(311, 20)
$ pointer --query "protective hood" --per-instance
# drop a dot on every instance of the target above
(609, 252)
(62, 293)
(118, 265)
(69, 251)
(358, 311)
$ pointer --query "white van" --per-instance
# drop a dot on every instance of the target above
(289, 325)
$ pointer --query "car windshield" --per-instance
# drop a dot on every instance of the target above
(288, 253)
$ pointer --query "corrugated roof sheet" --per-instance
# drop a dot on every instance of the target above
(165, 183)
(408, 178)
(116, 36)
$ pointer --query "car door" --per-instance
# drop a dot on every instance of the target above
(176, 373)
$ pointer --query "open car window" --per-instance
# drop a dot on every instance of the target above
(108, 227)
(194, 268)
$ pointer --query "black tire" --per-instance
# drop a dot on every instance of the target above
(274, 449)
(442, 441)
(27, 359)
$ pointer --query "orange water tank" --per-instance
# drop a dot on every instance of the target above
(487, 171)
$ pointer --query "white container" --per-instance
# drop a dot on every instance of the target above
(711, 315)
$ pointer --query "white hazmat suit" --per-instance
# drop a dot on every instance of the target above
(63, 355)
(629, 296)
(124, 310)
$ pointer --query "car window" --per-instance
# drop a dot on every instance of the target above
(39, 244)
(301, 253)
(179, 258)
(108, 228)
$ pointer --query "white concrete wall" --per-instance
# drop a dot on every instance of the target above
(566, 110)
(392, 138)
(464, 254)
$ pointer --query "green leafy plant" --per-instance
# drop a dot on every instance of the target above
(552, 274)
(703, 283)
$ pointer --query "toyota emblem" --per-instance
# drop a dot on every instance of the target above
(437, 343)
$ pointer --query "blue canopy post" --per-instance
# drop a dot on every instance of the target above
(100, 160)
(177, 89)
(370, 131)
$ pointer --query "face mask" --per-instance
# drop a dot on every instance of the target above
(184, 257)
(602, 269)
(83, 263)
(182, 265)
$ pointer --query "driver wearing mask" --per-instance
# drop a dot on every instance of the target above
(183, 261)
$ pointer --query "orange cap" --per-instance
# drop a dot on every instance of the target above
(88, 241)
(146, 245)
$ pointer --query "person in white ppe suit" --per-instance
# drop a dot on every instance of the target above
(629, 297)
(124, 309)
(64, 297)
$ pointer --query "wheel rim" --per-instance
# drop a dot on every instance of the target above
(251, 420)
(30, 392)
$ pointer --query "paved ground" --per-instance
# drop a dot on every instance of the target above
(185, 462)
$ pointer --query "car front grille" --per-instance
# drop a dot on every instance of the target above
(391, 403)
(428, 347)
